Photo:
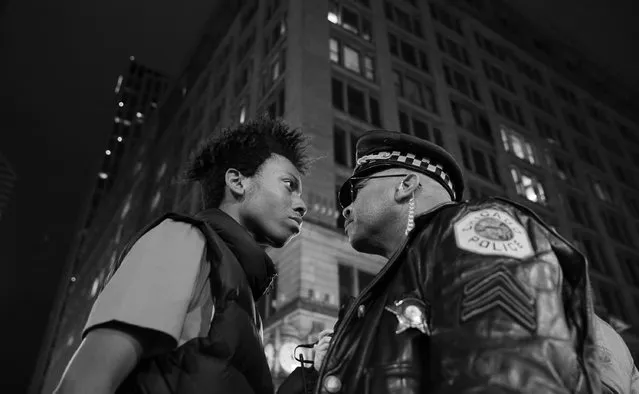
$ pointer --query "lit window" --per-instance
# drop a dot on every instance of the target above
(154, 104)
(528, 186)
(117, 86)
(351, 59)
(602, 191)
(127, 207)
(276, 69)
(121, 104)
(333, 13)
(334, 47)
(162, 170)
(108, 152)
(139, 115)
(103, 175)
(242, 114)
(156, 200)
(516, 144)
(369, 68)
(94, 287)
(117, 119)
(126, 122)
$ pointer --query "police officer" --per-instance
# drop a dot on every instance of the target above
(478, 297)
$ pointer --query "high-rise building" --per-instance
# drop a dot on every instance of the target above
(521, 124)
(137, 93)
(8, 179)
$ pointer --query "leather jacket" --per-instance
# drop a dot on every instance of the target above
(481, 297)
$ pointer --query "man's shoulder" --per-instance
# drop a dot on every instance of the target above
(171, 226)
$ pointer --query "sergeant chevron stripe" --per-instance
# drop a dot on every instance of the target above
(498, 288)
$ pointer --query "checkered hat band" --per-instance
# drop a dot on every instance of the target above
(425, 165)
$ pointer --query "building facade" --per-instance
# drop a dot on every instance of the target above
(520, 127)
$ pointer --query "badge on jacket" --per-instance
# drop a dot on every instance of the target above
(411, 313)
(493, 232)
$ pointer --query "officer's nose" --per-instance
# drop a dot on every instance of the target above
(346, 212)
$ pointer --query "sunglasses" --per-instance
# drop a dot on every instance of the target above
(348, 194)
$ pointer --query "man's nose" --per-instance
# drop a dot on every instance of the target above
(299, 206)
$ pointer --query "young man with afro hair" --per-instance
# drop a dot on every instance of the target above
(179, 314)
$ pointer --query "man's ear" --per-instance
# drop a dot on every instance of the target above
(406, 188)
(235, 181)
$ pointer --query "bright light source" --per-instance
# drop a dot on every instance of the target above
(103, 175)
(73, 279)
(242, 114)
(131, 58)
(119, 139)
(118, 85)
(94, 287)
(126, 122)
(139, 115)
(108, 152)
(333, 18)
(117, 119)
(121, 104)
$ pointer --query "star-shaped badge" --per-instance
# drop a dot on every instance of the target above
(410, 313)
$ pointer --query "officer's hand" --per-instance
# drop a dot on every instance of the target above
(321, 348)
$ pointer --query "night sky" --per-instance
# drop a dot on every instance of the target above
(59, 63)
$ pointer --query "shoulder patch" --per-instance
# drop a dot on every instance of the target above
(493, 232)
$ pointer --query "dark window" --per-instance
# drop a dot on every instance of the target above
(578, 211)
(350, 20)
(439, 139)
(338, 94)
(472, 120)
(374, 108)
(356, 103)
(408, 54)
(420, 129)
(394, 45)
(339, 146)
(404, 127)
(480, 164)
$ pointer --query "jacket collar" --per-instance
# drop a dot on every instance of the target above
(257, 265)
(424, 217)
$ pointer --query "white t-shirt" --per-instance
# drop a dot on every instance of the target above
(162, 284)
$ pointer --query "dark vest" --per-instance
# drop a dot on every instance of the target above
(231, 358)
